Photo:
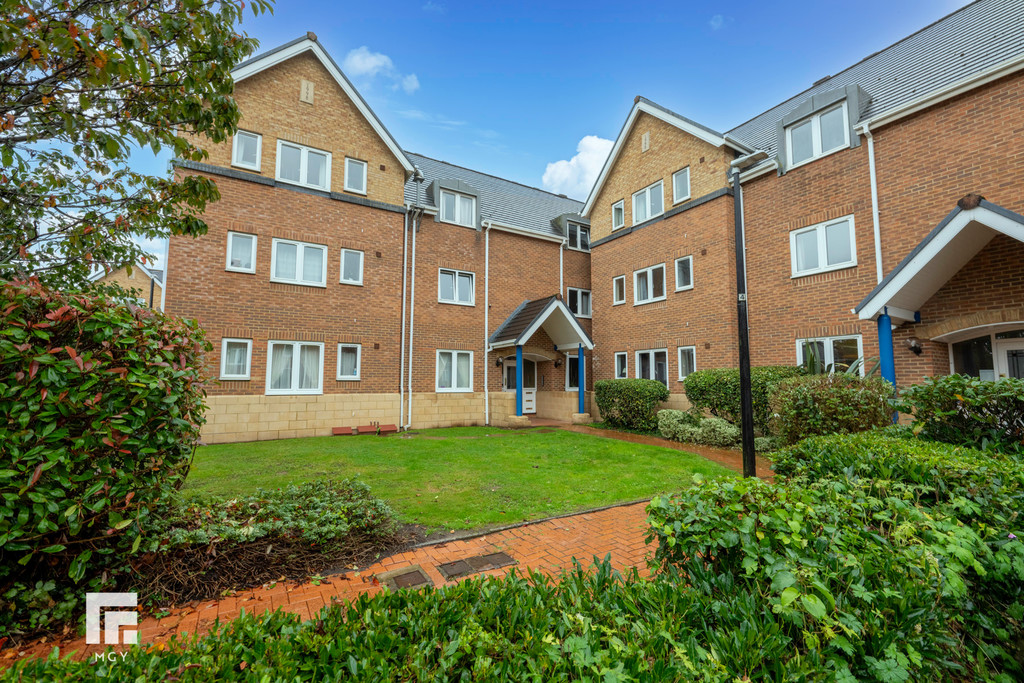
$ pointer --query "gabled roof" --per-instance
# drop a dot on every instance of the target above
(549, 313)
(642, 105)
(502, 201)
(308, 43)
(971, 40)
(941, 254)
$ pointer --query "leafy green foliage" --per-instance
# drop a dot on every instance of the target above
(690, 427)
(673, 423)
(830, 404)
(717, 391)
(82, 86)
(630, 403)
(969, 411)
(100, 409)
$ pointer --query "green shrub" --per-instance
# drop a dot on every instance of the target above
(717, 391)
(867, 598)
(630, 403)
(100, 409)
(764, 444)
(672, 423)
(714, 431)
(969, 411)
(830, 404)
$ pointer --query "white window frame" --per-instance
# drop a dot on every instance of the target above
(647, 192)
(455, 301)
(437, 365)
(621, 204)
(469, 222)
(817, 151)
(616, 301)
(679, 359)
(366, 176)
(829, 351)
(590, 301)
(636, 360)
(359, 363)
(649, 270)
(579, 229)
(227, 258)
(341, 267)
(821, 229)
(259, 151)
(302, 182)
(300, 254)
(570, 360)
(676, 198)
(625, 367)
(294, 391)
(223, 357)
(675, 271)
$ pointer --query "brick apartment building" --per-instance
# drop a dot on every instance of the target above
(345, 280)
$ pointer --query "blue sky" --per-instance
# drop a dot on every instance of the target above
(512, 88)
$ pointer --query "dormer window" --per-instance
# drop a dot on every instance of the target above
(459, 209)
(579, 237)
(818, 135)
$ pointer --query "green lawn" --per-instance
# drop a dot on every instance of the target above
(460, 478)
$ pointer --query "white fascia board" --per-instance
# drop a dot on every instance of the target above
(557, 304)
(973, 81)
(761, 169)
(258, 65)
(645, 108)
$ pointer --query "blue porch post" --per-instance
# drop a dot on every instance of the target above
(583, 380)
(886, 355)
(519, 381)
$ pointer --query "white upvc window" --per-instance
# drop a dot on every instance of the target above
(349, 357)
(579, 302)
(295, 367)
(652, 364)
(618, 290)
(818, 135)
(298, 263)
(351, 267)
(454, 371)
(649, 202)
(455, 287)
(649, 284)
(681, 185)
(301, 165)
(459, 209)
(827, 246)
(241, 257)
(687, 361)
(572, 372)
(355, 176)
(579, 237)
(831, 354)
(235, 358)
(247, 150)
(621, 365)
(619, 214)
(684, 273)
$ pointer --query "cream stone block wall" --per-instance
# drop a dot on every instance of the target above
(430, 410)
(561, 405)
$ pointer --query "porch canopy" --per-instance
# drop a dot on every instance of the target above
(940, 255)
(554, 317)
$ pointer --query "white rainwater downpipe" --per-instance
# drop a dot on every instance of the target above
(487, 316)
(561, 287)
(405, 273)
(412, 308)
(874, 200)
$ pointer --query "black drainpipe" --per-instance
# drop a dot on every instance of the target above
(152, 290)
(746, 399)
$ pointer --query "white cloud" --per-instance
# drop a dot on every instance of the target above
(716, 22)
(574, 177)
(362, 63)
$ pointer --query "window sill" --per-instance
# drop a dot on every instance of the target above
(618, 227)
(240, 270)
(297, 392)
(351, 191)
(354, 284)
(820, 156)
(582, 317)
(585, 251)
(305, 185)
(648, 301)
(348, 379)
(299, 284)
(830, 269)
(246, 168)
(229, 378)
(456, 303)
(684, 289)
(461, 225)
(618, 303)
(453, 391)
(680, 200)
(649, 218)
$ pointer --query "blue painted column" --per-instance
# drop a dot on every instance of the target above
(582, 377)
(886, 355)
(519, 381)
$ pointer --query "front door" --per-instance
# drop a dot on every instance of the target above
(529, 384)
(1010, 358)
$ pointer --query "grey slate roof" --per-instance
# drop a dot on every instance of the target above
(500, 200)
(520, 320)
(965, 42)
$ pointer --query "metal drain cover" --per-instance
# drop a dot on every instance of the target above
(482, 563)
(453, 570)
(406, 577)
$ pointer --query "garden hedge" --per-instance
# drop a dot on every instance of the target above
(829, 404)
(717, 391)
(630, 403)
